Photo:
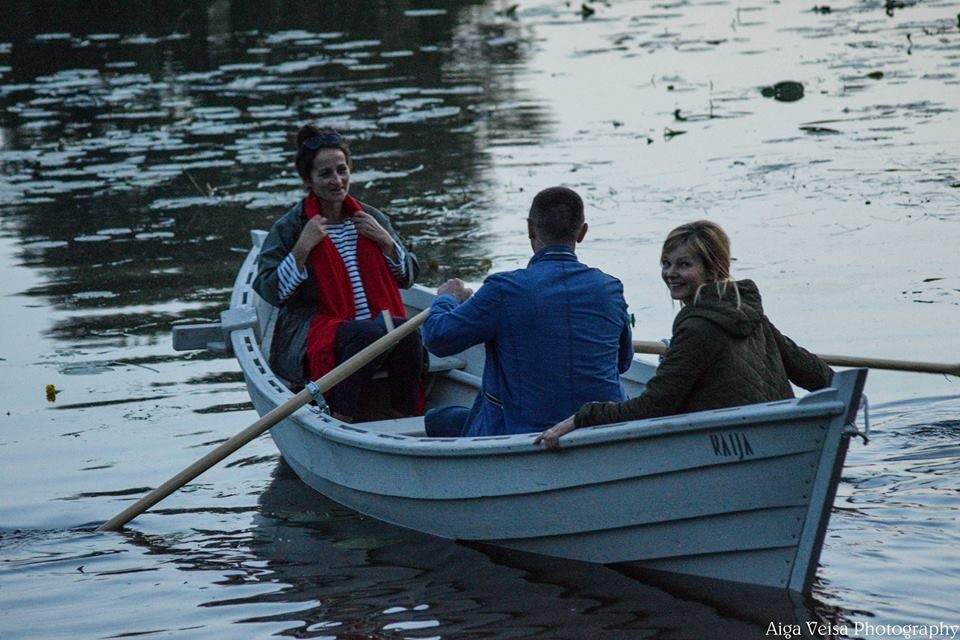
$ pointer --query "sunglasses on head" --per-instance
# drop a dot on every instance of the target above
(325, 139)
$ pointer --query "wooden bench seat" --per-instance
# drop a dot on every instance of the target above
(400, 426)
(437, 365)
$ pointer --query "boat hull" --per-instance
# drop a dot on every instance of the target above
(740, 495)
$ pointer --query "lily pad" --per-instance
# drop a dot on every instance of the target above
(84, 369)
(786, 91)
(363, 544)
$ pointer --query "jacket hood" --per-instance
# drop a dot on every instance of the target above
(720, 308)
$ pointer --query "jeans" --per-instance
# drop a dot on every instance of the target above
(446, 422)
(403, 363)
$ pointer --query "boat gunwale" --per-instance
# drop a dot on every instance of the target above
(355, 435)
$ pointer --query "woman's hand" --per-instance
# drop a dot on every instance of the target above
(368, 226)
(313, 232)
(550, 439)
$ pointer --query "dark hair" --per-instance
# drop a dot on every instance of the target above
(310, 139)
(557, 214)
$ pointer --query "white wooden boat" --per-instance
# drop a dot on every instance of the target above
(741, 494)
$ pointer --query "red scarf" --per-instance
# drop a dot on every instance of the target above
(334, 294)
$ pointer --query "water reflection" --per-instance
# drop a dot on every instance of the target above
(154, 154)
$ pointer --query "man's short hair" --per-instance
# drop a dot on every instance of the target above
(557, 215)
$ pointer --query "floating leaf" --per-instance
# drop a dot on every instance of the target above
(819, 131)
(363, 544)
(669, 133)
(786, 91)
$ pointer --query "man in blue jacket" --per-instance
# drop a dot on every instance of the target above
(557, 334)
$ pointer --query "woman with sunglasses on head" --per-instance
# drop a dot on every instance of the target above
(332, 265)
(724, 352)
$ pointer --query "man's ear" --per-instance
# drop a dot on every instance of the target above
(530, 234)
(582, 232)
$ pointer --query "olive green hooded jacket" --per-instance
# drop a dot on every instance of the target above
(720, 355)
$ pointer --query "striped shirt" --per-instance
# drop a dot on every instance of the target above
(344, 238)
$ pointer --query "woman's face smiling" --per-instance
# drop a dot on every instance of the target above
(683, 273)
(330, 176)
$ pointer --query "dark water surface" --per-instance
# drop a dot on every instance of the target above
(139, 145)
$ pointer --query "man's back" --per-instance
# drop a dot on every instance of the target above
(557, 335)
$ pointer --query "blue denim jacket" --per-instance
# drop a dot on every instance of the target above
(557, 335)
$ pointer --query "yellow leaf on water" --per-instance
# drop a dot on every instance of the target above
(51, 393)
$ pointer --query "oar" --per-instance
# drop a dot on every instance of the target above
(340, 373)
(658, 348)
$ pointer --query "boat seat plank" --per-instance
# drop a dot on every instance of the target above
(440, 365)
(437, 365)
(399, 426)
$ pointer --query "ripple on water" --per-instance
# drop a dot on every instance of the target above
(95, 295)
(216, 113)
(50, 37)
(62, 186)
(353, 44)
(424, 13)
(408, 117)
(298, 35)
(241, 66)
(198, 164)
(381, 96)
(134, 116)
(277, 111)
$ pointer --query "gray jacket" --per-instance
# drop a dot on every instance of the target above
(289, 343)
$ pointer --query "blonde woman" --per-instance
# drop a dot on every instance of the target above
(724, 352)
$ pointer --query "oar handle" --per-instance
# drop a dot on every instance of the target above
(893, 365)
(337, 375)
(658, 348)
(646, 346)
